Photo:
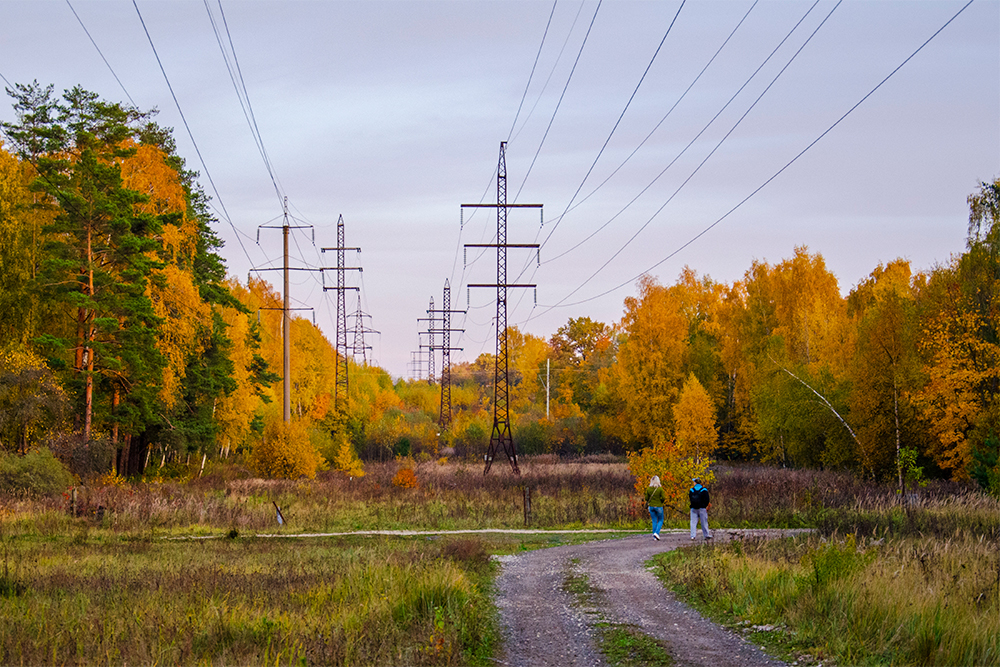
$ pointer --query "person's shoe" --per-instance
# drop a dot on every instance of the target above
(692, 539)
(708, 537)
(656, 537)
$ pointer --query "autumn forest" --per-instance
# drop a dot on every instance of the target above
(124, 342)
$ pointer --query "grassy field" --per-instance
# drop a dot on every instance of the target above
(895, 597)
(120, 581)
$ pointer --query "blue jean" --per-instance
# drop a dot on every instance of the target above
(656, 514)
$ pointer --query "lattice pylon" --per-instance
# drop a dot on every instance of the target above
(444, 419)
(501, 435)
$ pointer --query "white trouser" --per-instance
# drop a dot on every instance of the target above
(702, 515)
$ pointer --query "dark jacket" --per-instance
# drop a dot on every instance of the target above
(698, 495)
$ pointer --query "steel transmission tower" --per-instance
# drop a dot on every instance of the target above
(360, 330)
(501, 436)
(430, 340)
(340, 381)
(444, 419)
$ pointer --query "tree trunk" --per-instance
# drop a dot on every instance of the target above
(88, 352)
(899, 461)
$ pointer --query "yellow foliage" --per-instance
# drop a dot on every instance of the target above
(647, 374)
(527, 353)
(184, 313)
(345, 460)
(675, 470)
(147, 172)
(111, 478)
(235, 411)
(960, 361)
(694, 415)
(285, 451)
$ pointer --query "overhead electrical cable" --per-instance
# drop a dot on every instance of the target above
(697, 136)
(558, 219)
(707, 157)
(197, 151)
(559, 103)
(9, 84)
(555, 65)
(458, 246)
(621, 115)
(80, 21)
(239, 85)
(770, 179)
(531, 75)
(608, 139)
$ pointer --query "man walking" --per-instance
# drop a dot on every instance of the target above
(698, 495)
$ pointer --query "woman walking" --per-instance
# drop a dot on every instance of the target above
(655, 499)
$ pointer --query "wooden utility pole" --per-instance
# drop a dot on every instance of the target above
(286, 309)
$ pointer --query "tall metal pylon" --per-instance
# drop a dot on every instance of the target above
(444, 418)
(286, 319)
(340, 377)
(501, 436)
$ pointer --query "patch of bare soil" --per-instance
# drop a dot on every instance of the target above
(543, 626)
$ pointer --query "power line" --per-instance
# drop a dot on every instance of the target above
(689, 145)
(658, 124)
(707, 157)
(552, 72)
(241, 91)
(190, 134)
(559, 103)
(694, 139)
(620, 116)
(524, 95)
(612, 133)
(773, 176)
(80, 21)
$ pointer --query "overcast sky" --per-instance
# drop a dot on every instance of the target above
(392, 113)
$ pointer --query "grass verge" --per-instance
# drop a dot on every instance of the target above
(902, 600)
(622, 644)
(356, 601)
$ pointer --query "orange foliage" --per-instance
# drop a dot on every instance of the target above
(405, 478)
(666, 460)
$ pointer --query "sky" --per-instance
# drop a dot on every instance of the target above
(656, 135)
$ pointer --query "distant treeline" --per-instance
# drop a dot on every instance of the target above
(122, 336)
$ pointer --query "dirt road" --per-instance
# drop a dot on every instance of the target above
(543, 626)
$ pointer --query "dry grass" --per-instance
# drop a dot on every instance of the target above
(909, 600)
(93, 598)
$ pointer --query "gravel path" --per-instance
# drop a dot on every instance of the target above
(543, 626)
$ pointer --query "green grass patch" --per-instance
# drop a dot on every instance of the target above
(623, 644)
(914, 601)
(353, 601)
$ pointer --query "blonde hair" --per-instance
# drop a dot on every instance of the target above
(655, 481)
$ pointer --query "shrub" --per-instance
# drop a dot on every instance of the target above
(285, 451)
(406, 479)
(36, 473)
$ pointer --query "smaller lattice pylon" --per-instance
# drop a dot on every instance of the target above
(429, 346)
(415, 368)
(359, 347)
(444, 419)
